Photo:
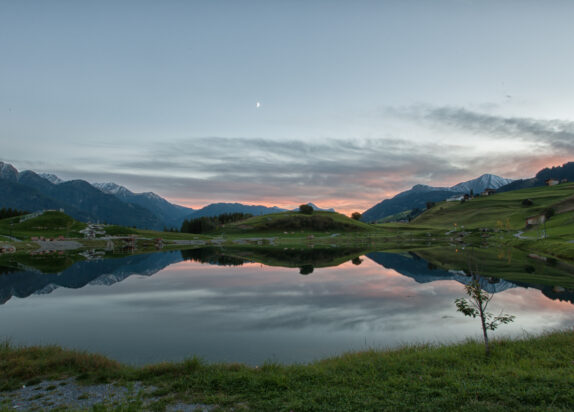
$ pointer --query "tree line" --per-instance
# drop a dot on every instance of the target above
(207, 224)
(6, 213)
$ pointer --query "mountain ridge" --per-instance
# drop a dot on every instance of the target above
(418, 196)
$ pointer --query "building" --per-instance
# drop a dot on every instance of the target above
(535, 220)
(488, 192)
(552, 182)
(455, 199)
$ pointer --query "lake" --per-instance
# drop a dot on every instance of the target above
(169, 306)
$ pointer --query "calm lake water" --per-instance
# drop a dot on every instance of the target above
(158, 307)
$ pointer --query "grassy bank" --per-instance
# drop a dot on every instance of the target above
(529, 374)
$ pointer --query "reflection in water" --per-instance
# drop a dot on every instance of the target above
(23, 283)
(211, 255)
(252, 313)
(423, 272)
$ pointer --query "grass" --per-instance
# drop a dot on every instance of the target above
(317, 222)
(504, 210)
(49, 224)
(536, 373)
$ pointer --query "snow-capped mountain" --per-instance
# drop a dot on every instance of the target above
(51, 178)
(480, 184)
(419, 195)
(113, 189)
(172, 215)
(8, 172)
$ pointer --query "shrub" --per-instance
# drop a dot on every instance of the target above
(306, 209)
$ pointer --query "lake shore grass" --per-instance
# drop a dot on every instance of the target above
(533, 373)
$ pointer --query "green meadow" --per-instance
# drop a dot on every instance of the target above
(529, 374)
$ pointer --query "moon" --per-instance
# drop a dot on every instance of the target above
(257, 105)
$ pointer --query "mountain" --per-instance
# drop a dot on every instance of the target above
(29, 191)
(8, 172)
(215, 209)
(478, 185)
(566, 171)
(52, 178)
(170, 214)
(418, 196)
(21, 197)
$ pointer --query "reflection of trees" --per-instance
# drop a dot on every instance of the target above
(212, 256)
(306, 269)
(299, 257)
(357, 261)
(4, 270)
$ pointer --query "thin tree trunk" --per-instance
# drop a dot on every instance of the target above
(484, 333)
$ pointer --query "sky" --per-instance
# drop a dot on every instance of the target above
(338, 103)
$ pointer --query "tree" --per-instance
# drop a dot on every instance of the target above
(356, 216)
(306, 269)
(527, 202)
(306, 209)
(476, 305)
(357, 261)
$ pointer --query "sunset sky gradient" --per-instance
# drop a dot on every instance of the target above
(358, 100)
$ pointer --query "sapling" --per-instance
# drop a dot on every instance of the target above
(476, 305)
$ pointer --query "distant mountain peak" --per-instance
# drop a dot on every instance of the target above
(481, 183)
(426, 188)
(418, 196)
(315, 207)
(51, 178)
(8, 172)
(152, 195)
(112, 188)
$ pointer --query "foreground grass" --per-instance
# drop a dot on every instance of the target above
(530, 374)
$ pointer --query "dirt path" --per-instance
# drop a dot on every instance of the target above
(58, 245)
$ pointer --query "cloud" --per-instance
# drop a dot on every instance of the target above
(348, 174)
(557, 134)
(246, 169)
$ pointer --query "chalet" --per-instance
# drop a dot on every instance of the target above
(488, 192)
(7, 249)
(535, 220)
(552, 182)
(564, 180)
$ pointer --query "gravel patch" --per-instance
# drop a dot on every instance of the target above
(58, 245)
(67, 394)
(189, 242)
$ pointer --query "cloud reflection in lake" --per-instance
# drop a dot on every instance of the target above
(253, 313)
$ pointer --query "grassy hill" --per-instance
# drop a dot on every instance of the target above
(504, 210)
(49, 224)
(297, 222)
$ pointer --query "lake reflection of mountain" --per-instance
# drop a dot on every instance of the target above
(102, 272)
(23, 283)
(422, 272)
